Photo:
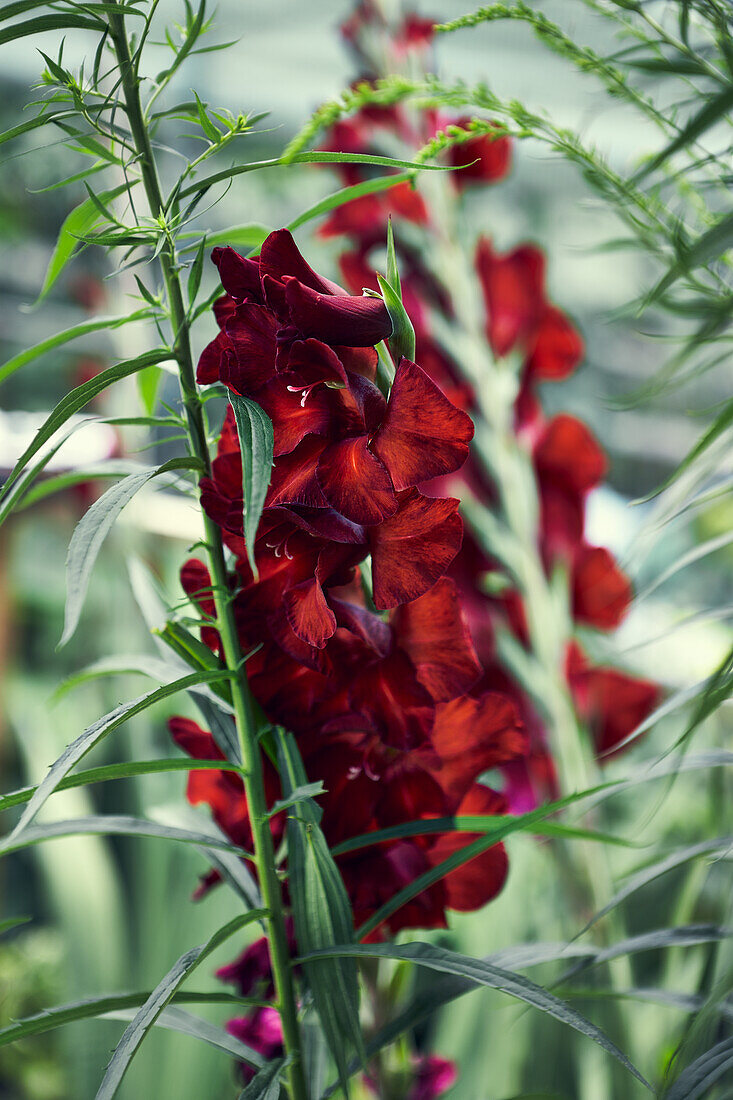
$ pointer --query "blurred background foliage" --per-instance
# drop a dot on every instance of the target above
(112, 913)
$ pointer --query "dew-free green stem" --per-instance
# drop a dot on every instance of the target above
(241, 697)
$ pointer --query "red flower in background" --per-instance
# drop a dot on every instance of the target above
(481, 159)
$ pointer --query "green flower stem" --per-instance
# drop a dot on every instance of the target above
(242, 699)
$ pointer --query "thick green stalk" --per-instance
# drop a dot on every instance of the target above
(264, 852)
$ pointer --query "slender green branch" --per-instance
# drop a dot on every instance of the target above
(241, 697)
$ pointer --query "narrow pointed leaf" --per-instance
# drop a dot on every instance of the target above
(402, 340)
(484, 973)
(321, 914)
(93, 528)
(75, 400)
(46, 23)
(256, 441)
(74, 752)
(265, 1086)
(157, 1001)
(115, 825)
(77, 224)
(696, 1081)
(714, 110)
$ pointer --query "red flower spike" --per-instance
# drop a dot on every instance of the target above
(422, 435)
(413, 549)
(601, 592)
(434, 634)
(475, 883)
(568, 454)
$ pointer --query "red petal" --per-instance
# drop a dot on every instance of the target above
(224, 309)
(610, 701)
(252, 334)
(568, 454)
(210, 362)
(486, 159)
(294, 478)
(558, 347)
(355, 482)
(313, 361)
(240, 277)
(423, 435)
(475, 883)
(361, 361)
(413, 549)
(194, 740)
(435, 635)
(338, 319)
(601, 592)
(292, 419)
(513, 287)
(280, 256)
(308, 613)
(473, 735)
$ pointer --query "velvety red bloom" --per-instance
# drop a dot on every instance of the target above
(483, 159)
(601, 592)
(365, 217)
(262, 1031)
(519, 316)
(611, 702)
(433, 1077)
(568, 455)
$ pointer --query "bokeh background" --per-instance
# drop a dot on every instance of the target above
(114, 914)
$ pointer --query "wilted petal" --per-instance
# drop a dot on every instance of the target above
(423, 435)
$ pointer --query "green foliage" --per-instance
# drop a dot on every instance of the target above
(256, 441)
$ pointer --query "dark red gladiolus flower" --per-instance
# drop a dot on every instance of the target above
(568, 455)
(611, 702)
(262, 1031)
(601, 592)
(482, 159)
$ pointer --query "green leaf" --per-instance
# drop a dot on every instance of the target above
(76, 225)
(137, 1030)
(75, 400)
(714, 109)
(348, 194)
(484, 973)
(265, 1086)
(194, 275)
(206, 124)
(234, 870)
(33, 124)
(710, 246)
(115, 825)
(97, 1007)
(720, 425)
(393, 270)
(46, 23)
(402, 340)
(695, 1082)
(321, 913)
(142, 664)
(12, 922)
(310, 158)
(95, 325)
(256, 441)
(719, 848)
(99, 471)
(299, 794)
(74, 752)
(126, 770)
(93, 528)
